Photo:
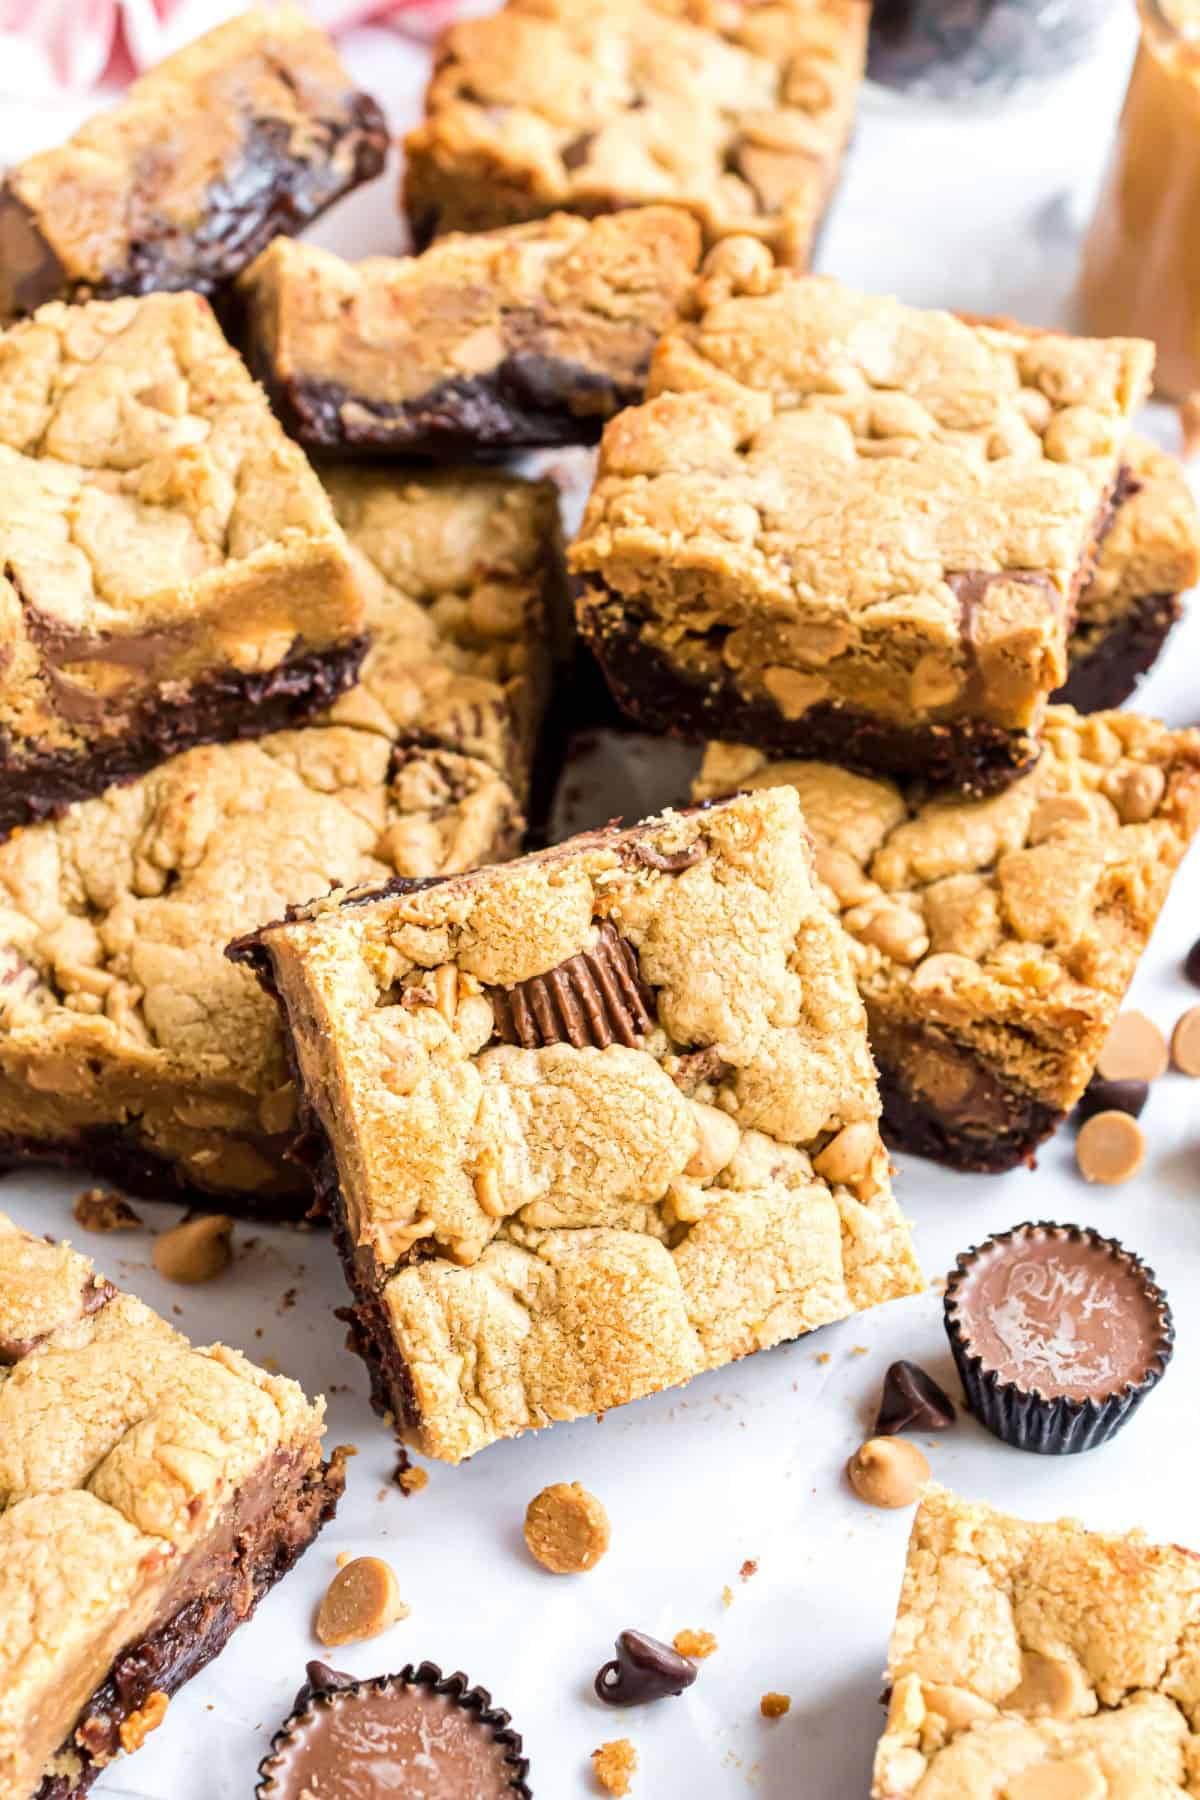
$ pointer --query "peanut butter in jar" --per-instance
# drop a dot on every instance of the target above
(1141, 259)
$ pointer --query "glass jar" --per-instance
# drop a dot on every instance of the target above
(1141, 258)
(961, 50)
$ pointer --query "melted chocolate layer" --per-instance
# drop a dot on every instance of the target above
(1111, 669)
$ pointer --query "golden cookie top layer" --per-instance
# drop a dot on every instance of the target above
(1040, 1662)
(155, 519)
(120, 1446)
(737, 113)
(602, 1117)
(119, 1004)
(585, 294)
(1153, 543)
(461, 577)
(1012, 924)
(828, 491)
(267, 86)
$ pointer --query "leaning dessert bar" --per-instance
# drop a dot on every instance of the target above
(1039, 1662)
(530, 336)
(591, 1122)
(740, 114)
(150, 1495)
(252, 130)
(845, 527)
(993, 939)
(170, 569)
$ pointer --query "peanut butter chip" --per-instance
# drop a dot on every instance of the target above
(136, 1728)
(1049, 1685)
(1185, 1042)
(1134, 1050)
(566, 1529)
(362, 1600)
(888, 1471)
(198, 1250)
(1109, 1148)
(1057, 1781)
(847, 1156)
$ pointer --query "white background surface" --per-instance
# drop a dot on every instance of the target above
(747, 1462)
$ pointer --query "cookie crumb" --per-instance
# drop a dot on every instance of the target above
(343, 1557)
(773, 1706)
(749, 1568)
(101, 1209)
(566, 1529)
(362, 1600)
(198, 1250)
(411, 1480)
(860, 1350)
(823, 1357)
(136, 1728)
(614, 1765)
(695, 1644)
(727, 1594)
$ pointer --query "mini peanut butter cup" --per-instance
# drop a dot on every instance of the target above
(420, 1733)
(593, 999)
(1058, 1333)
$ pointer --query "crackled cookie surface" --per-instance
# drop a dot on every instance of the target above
(740, 114)
(845, 526)
(462, 581)
(993, 939)
(1150, 554)
(529, 336)
(1040, 1662)
(596, 1120)
(150, 1494)
(251, 130)
(128, 1043)
(170, 569)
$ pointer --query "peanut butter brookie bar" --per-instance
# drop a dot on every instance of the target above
(497, 341)
(592, 1122)
(252, 130)
(465, 604)
(841, 526)
(150, 1495)
(1149, 556)
(170, 569)
(993, 940)
(128, 1044)
(739, 113)
(1040, 1662)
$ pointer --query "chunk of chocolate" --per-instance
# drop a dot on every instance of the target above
(419, 1732)
(912, 1401)
(1112, 1096)
(643, 1669)
(595, 998)
(1058, 1334)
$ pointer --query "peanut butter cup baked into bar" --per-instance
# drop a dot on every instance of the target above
(738, 113)
(150, 1495)
(251, 130)
(530, 336)
(1150, 554)
(170, 569)
(592, 1122)
(128, 1044)
(993, 939)
(465, 603)
(841, 526)
(1040, 1662)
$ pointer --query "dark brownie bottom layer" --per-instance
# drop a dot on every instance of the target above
(114, 1155)
(1107, 672)
(529, 401)
(39, 785)
(968, 755)
(273, 1521)
(985, 1128)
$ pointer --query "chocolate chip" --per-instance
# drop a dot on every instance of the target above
(1112, 1096)
(321, 1679)
(643, 1669)
(1191, 964)
(912, 1401)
